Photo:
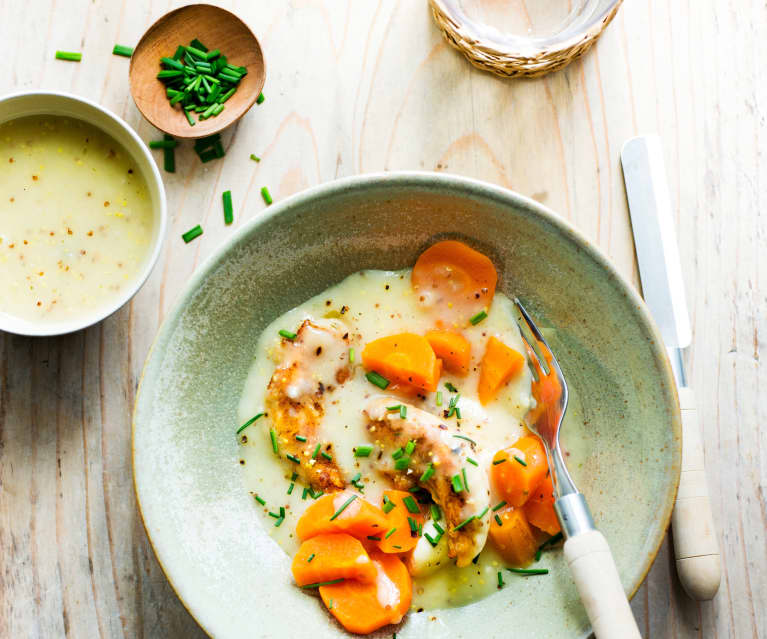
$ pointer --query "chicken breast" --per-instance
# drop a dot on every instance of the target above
(444, 450)
(310, 366)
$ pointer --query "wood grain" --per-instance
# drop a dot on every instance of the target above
(367, 85)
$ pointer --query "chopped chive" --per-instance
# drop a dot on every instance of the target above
(373, 538)
(498, 520)
(403, 413)
(310, 558)
(305, 493)
(226, 197)
(431, 539)
(439, 398)
(192, 234)
(273, 437)
(499, 461)
(520, 460)
(290, 488)
(538, 554)
(275, 515)
(388, 505)
(172, 63)
(413, 525)
(457, 484)
(293, 458)
(287, 334)
(377, 380)
(210, 55)
(529, 571)
(393, 408)
(397, 547)
(248, 423)
(450, 387)
(294, 476)
(278, 523)
(260, 98)
(465, 483)
(259, 500)
(300, 438)
(226, 95)
(363, 451)
(254, 157)
(207, 156)
(71, 56)
(351, 356)
(198, 45)
(196, 52)
(427, 474)
(189, 117)
(468, 439)
(478, 317)
(323, 583)
(410, 504)
(168, 73)
(438, 528)
(402, 463)
(458, 412)
(327, 456)
(390, 533)
(169, 155)
(398, 453)
(483, 513)
(119, 49)
(316, 450)
(266, 195)
(318, 494)
(410, 446)
(343, 507)
(473, 462)
(436, 515)
(464, 522)
(500, 580)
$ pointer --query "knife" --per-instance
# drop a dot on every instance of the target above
(695, 543)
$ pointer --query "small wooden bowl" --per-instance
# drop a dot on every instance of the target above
(216, 28)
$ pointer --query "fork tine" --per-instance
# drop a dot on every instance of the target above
(551, 361)
(533, 359)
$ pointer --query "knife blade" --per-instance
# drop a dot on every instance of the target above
(695, 544)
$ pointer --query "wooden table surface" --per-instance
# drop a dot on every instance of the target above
(357, 86)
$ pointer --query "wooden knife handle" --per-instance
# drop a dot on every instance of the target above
(695, 543)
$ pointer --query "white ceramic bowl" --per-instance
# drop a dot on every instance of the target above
(18, 105)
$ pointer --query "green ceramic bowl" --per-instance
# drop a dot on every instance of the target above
(622, 430)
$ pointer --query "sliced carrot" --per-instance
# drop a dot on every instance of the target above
(539, 509)
(332, 556)
(455, 279)
(364, 607)
(405, 358)
(499, 364)
(452, 348)
(398, 520)
(359, 518)
(519, 469)
(513, 538)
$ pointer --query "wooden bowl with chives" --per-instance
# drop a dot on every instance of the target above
(207, 52)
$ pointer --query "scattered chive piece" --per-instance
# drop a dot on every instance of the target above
(192, 233)
(198, 45)
(318, 494)
(450, 387)
(260, 98)
(327, 456)
(374, 538)
(529, 571)
(458, 412)
(305, 493)
(343, 507)
(411, 506)
(254, 157)
(468, 439)
(397, 547)
(439, 528)
(398, 453)
(169, 156)
(310, 558)
(287, 334)
(402, 463)
(500, 580)
(69, 55)
(163, 144)
(410, 446)
(300, 438)
(278, 523)
(436, 515)
(431, 540)
(316, 450)
(377, 380)
(403, 413)
(363, 451)
(427, 474)
(273, 437)
(293, 458)
(266, 195)
(259, 500)
(120, 49)
(275, 515)
(464, 522)
(483, 513)
(520, 460)
(351, 356)
(478, 318)
(290, 488)
(294, 476)
(389, 505)
(499, 461)
(439, 398)
(189, 117)
(413, 525)
(356, 482)
(498, 520)
(248, 423)
(498, 506)
(465, 483)
(473, 462)
(323, 583)
(393, 408)
(457, 484)
(538, 553)
(226, 197)
(390, 533)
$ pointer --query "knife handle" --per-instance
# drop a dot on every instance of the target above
(695, 543)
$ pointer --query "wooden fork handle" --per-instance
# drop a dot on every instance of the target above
(695, 544)
(599, 586)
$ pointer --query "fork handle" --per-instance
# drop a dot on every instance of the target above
(695, 544)
(599, 586)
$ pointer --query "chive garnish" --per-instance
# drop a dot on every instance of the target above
(458, 412)
(473, 462)
(438, 528)
(393, 408)
(476, 319)
(363, 451)
(327, 456)
(529, 571)
(351, 356)
(413, 525)
(300, 438)
(390, 533)
(254, 157)
(397, 547)
(436, 515)
(163, 144)
(468, 439)
(427, 474)
(431, 540)
(398, 453)
(438, 401)
(538, 554)
(388, 505)
(356, 482)
(377, 380)
(520, 460)
(457, 484)
(498, 520)
(500, 580)
(410, 446)
(316, 450)
(410, 504)
(499, 461)
(294, 476)
(464, 522)
(120, 49)
(192, 234)
(71, 56)
(273, 437)
(228, 209)
(248, 423)
(266, 195)
(343, 507)
(310, 558)
(450, 387)
(260, 98)
(323, 583)
(278, 523)
(287, 334)
(293, 458)
(403, 411)
(483, 513)
(290, 488)
(275, 515)
(373, 538)
(465, 483)
(259, 500)
(402, 463)
(318, 494)
(305, 493)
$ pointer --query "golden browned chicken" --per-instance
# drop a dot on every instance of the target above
(439, 456)
(311, 365)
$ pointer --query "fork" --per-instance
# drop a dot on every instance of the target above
(586, 550)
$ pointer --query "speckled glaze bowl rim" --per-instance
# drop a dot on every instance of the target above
(423, 179)
(154, 181)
